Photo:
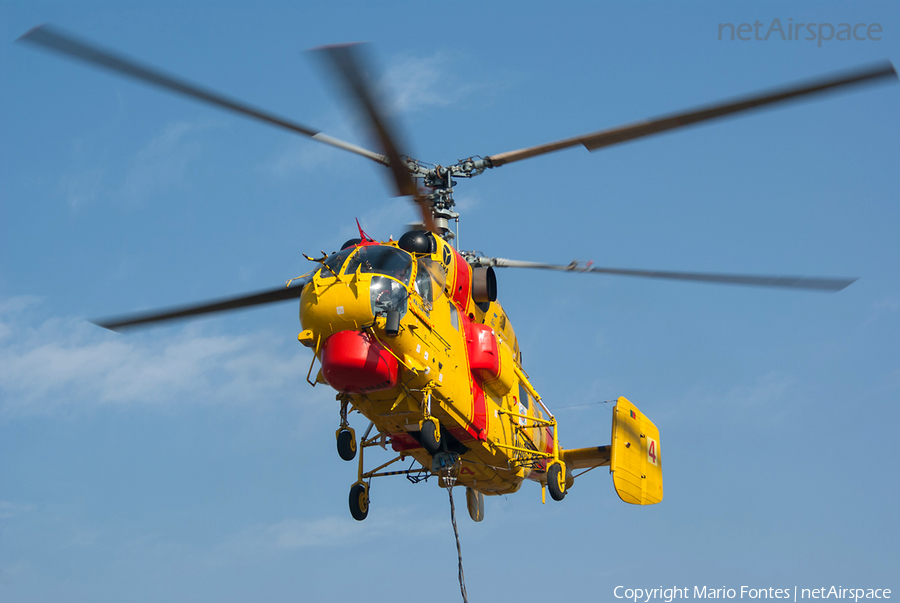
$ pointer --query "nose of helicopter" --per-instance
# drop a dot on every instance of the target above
(341, 312)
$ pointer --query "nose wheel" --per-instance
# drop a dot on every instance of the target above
(430, 435)
(346, 436)
(359, 501)
(346, 443)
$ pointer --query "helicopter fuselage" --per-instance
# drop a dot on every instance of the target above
(447, 358)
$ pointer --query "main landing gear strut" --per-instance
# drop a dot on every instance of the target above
(346, 436)
(359, 492)
(430, 437)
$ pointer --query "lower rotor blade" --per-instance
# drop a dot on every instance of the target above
(790, 282)
(122, 323)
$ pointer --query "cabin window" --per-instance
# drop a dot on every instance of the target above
(523, 403)
(454, 317)
(381, 259)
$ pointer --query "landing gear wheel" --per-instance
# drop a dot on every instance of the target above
(346, 444)
(359, 501)
(431, 436)
(556, 481)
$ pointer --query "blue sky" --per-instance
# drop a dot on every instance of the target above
(193, 462)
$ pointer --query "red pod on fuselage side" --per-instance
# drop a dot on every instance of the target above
(484, 358)
(355, 362)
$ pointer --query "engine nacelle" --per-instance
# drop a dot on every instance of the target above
(484, 285)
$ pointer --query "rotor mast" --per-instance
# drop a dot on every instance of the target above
(438, 182)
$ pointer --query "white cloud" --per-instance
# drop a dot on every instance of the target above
(414, 84)
(467, 202)
(9, 510)
(81, 187)
(763, 393)
(757, 402)
(295, 534)
(333, 531)
(887, 303)
(82, 182)
(19, 303)
(385, 218)
(883, 307)
(157, 167)
(303, 155)
(81, 538)
(298, 156)
(12, 572)
(408, 85)
(62, 365)
(163, 162)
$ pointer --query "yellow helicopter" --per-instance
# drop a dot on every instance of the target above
(410, 333)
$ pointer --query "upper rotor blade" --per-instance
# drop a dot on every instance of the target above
(349, 63)
(605, 138)
(791, 282)
(121, 323)
(48, 37)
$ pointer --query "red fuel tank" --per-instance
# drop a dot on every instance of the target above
(355, 362)
(484, 359)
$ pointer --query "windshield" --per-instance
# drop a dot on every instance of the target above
(334, 261)
(381, 259)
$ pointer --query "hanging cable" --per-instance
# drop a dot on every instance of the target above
(462, 576)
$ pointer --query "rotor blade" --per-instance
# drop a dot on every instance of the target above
(348, 62)
(605, 138)
(52, 39)
(120, 323)
(792, 282)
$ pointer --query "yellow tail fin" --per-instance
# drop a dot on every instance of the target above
(635, 461)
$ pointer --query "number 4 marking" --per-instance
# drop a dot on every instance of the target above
(652, 451)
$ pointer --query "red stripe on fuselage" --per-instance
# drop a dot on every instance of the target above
(477, 427)
(479, 418)
(463, 284)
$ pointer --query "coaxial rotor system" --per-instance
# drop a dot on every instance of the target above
(430, 186)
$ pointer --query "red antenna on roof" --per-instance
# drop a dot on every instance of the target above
(362, 233)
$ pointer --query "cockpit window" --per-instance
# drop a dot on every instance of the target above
(430, 279)
(381, 259)
(334, 261)
(423, 285)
